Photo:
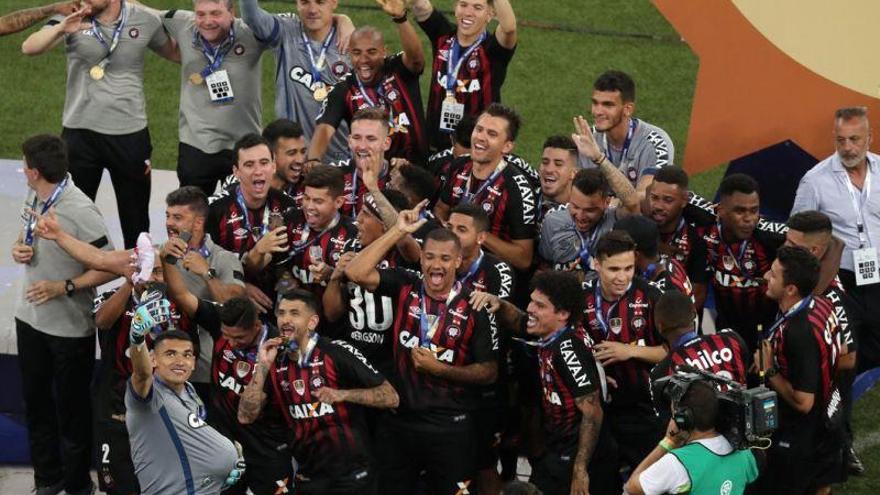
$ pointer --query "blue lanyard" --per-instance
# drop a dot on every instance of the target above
(473, 269)
(215, 56)
(629, 135)
(742, 251)
(602, 316)
(427, 330)
(204, 251)
(56, 193)
(246, 219)
(316, 65)
(467, 187)
(117, 31)
(251, 354)
(306, 353)
(587, 246)
(380, 91)
(305, 241)
(683, 339)
(552, 338)
(455, 59)
(771, 332)
(354, 191)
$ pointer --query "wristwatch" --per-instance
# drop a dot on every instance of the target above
(211, 274)
(69, 287)
(771, 372)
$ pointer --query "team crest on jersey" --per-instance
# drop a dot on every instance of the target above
(299, 386)
(728, 262)
(616, 325)
(638, 323)
(339, 68)
(749, 265)
(488, 207)
(239, 49)
(133, 33)
(242, 368)
(453, 332)
(317, 382)
(285, 385)
(632, 173)
(392, 95)
(474, 63)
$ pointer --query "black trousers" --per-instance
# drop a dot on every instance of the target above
(204, 170)
(868, 338)
(126, 157)
(56, 373)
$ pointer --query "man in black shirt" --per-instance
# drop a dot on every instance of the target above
(444, 353)
(289, 148)
(320, 387)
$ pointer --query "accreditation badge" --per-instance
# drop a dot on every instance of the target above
(865, 266)
(451, 112)
(219, 87)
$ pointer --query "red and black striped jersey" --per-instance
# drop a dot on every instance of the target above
(688, 248)
(806, 351)
(568, 372)
(328, 440)
(478, 82)
(461, 336)
(238, 231)
(309, 247)
(629, 320)
(491, 275)
(355, 190)
(398, 93)
(673, 276)
(509, 198)
(441, 164)
(295, 191)
(115, 368)
(847, 313)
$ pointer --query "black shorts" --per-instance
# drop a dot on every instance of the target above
(446, 455)
(633, 436)
(360, 482)
(115, 467)
(802, 471)
(489, 425)
(551, 473)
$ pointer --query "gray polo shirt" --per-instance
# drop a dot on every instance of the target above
(173, 449)
(115, 104)
(560, 241)
(62, 316)
(294, 86)
(213, 127)
(823, 188)
(651, 148)
(229, 271)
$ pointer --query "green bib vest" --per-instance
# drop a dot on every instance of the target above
(713, 474)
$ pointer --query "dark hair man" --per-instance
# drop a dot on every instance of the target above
(665, 204)
(572, 386)
(469, 63)
(694, 457)
(289, 148)
(741, 247)
(619, 317)
(444, 353)
(53, 322)
(388, 83)
(105, 119)
(320, 387)
(665, 273)
(634, 146)
(799, 359)
(559, 164)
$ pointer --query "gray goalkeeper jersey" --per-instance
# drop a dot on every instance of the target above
(294, 84)
(649, 150)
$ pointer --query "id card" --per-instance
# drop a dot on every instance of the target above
(450, 114)
(219, 87)
(866, 266)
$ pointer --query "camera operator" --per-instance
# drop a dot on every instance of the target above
(694, 457)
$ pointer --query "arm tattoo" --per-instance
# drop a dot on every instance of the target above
(23, 19)
(621, 186)
(386, 210)
(253, 398)
(383, 396)
(591, 422)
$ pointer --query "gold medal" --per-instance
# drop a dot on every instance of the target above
(196, 79)
(96, 72)
(450, 98)
(320, 93)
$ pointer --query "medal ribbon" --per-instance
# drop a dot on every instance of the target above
(251, 355)
(305, 354)
(117, 32)
(428, 330)
(603, 316)
(32, 223)
(316, 65)
(455, 59)
(216, 55)
(467, 187)
(552, 337)
(859, 200)
(587, 245)
(193, 395)
(305, 241)
(626, 142)
(797, 308)
(683, 339)
(246, 219)
(473, 269)
(742, 252)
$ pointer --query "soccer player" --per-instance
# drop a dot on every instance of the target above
(390, 83)
(559, 165)
(799, 361)
(665, 273)
(105, 120)
(220, 89)
(619, 317)
(634, 146)
(505, 194)
(469, 63)
(666, 202)
(310, 54)
(576, 456)
(444, 354)
(320, 387)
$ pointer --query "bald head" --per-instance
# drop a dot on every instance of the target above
(368, 33)
(367, 50)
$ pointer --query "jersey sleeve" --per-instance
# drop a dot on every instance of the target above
(354, 368)
(395, 65)
(576, 366)
(134, 402)
(667, 475)
(497, 52)
(159, 36)
(696, 267)
(391, 280)
(212, 223)
(436, 25)
(266, 27)
(521, 213)
(334, 109)
(207, 316)
(803, 359)
(228, 267)
(485, 339)
(88, 225)
(806, 197)
(501, 280)
(172, 23)
(101, 299)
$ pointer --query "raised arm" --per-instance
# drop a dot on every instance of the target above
(422, 9)
(47, 38)
(320, 141)
(620, 184)
(113, 307)
(146, 317)
(334, 298)
(413, 53)
(185, 300)
(261, 22)
(254, 398)
(407, 246)
(506, 30)
(23, 19)
(116, 262)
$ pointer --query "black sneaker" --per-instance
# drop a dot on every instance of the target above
(854, 465)
(54, 489)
